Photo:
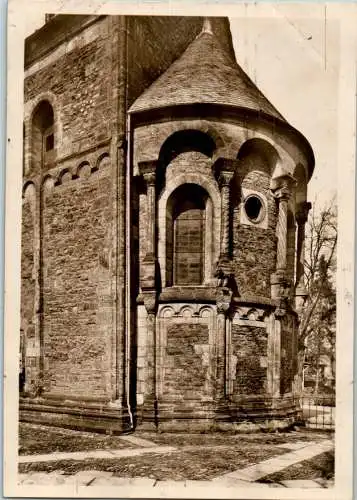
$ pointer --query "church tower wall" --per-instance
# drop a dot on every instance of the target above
(162, 245)
(81, 72)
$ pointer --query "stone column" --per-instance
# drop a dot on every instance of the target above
(274, 356)
(148, 286)
(301, 216)
(225, 169)
(150, 397)
(225, 178)
(282, 192)
(223, 301)
(148, 171)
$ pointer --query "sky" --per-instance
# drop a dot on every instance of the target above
(293, 57)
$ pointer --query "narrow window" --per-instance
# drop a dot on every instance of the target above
(43, 138)
(49, 142)
(189, 244)
(188, 235)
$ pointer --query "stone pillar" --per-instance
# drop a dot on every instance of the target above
(225, 178)
(148, 171)
(148, 286)
(150, 397)
(223, 301)
(282, 192)
(301, 215)
(274, 356)
(225, 169)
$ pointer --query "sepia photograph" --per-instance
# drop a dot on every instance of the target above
(181, 272)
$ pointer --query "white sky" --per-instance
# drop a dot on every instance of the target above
(293, 57)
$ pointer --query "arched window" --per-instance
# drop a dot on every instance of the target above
(186, 238)
(43, 139)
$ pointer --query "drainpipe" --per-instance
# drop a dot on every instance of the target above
(122, 111)
(128, 268)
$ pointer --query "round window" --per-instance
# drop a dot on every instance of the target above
(254, 209)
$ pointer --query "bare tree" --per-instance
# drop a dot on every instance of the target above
(318, 316)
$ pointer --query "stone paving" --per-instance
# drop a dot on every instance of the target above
(246, 477)
(83, 455)
(266, 467)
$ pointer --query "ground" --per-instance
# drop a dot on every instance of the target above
(58, 455)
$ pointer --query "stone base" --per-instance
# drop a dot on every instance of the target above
(244, 415)
(76, 415)
(248, 415)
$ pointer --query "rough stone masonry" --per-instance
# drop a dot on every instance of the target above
(164, 200)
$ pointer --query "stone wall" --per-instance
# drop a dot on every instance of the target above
(254, 247)
(81, 82)
(185, 374)
(249, 345)
(288, 355)
(76, 286)
(28, 342)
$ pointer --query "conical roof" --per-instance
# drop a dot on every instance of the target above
(205, 73)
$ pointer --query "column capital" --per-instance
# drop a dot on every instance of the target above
(223, 300)
(150, 301)
(224, 169)
(282, 187)
(302, 212)
(148, 170)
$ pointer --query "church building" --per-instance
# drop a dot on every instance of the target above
(164, 206)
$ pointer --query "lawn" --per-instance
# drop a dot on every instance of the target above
(201, 463)
(40, 439)
(276, 438)
(197, 456)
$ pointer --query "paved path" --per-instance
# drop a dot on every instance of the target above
(83, 455)
(246, 477)
(276, 464)
(138, 441)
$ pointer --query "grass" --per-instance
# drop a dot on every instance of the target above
(197, 456)
(321, 466)
(186, 439)
(193, 464)
(40, 439)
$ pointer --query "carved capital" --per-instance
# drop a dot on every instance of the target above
(302, 212)
(282, 187)
(224, 272)
(148, 170)
(280, 311)
(223, 300)
(225, 178)
(224, 169)
(281, 286)
(150, 301)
